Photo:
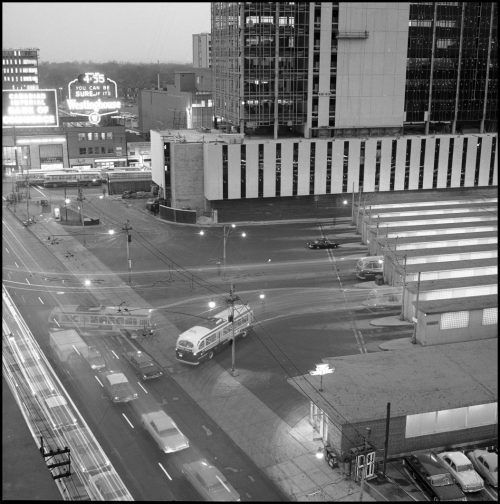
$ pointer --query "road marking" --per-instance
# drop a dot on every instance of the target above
(57, 323)
(140, 385)
(27, 281)
(17, 265)
(489, 493)
(99, 381)
(129, 422)
(113, 352)
(208, 432)
(251, 479)
(165, 471)
(7, 250)
(40, 300)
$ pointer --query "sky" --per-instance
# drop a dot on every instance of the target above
(135, 32)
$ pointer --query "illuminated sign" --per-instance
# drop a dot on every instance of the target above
(92, 92)
(29, 108)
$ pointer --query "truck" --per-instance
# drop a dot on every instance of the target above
(68, 345)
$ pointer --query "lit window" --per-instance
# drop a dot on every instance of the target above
(454, 320)
(490, 316)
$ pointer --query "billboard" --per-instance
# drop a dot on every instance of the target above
(90, 93)
(26, 108)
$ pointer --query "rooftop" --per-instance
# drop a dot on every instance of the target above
(422, 379)
(458, 304)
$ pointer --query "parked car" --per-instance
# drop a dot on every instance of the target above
(58, 412)
(321, 243)
(144, 366)
(462, 470)
(164, 431)
(210, 483)
(117, 387)
(129, 194)
(432, 477)
(367, 268)
(486, 464)
(84, 452)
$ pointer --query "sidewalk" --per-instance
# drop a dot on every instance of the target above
(286, 454)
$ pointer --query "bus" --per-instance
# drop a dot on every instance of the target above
(72, 178)
(201, 343)
(133, 321)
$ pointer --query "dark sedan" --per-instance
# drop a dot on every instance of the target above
(321, 243)
(432, 478)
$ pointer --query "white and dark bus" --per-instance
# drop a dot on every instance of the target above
(135, 321)
(202, 342)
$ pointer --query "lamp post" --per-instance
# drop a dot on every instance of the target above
(322, 369)
(226, 236)
(231, 300)
(127, 229)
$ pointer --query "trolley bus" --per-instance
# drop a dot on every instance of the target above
(33, 177)
(201, 343)
(136, 321)
(68, 178)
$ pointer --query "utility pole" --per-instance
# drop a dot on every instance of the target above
(402, 315)
(128, 228)
(365, 456)
(415, 317)
(231, 300)
(80, 199)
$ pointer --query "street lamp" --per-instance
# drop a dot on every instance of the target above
(231, 300)
(227, 230)
(322, 369)
(127, 229)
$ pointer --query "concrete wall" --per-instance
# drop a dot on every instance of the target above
(398, 444)
(162, 110)
(213, 166)
(371, 72)
(430, 333)
(187, 175)
(157, 160)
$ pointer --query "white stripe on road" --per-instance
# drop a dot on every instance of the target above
(27, 281)
(7, 250)
(113, 352)
(165, 471)
(17, 265)
(40, 300)
(140, 385)
(129, 422)
(99, 381)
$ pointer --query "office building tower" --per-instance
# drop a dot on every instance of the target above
(327, 69)
(20, 68)
(202, 50)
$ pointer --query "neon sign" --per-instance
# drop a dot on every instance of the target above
(29, 108)
(92, 92)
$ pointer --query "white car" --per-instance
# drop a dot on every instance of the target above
(462, 471)
(118, 387)
(486, 464)
(164, 431)
(57, 411)
(210, 483)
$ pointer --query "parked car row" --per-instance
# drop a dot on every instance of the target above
(449, 475)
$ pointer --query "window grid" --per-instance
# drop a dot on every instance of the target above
(454, 320)
(490, 316)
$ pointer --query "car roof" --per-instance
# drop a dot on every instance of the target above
(430, 463)
(491, 458)
(160, 418)
(115, 378)
(456, 456)
(207, 472)
(141, 356)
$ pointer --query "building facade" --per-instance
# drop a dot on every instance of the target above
(202, 50)
(325, 69)
(20, 68)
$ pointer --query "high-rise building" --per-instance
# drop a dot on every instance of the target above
(202, 50)
(326, 69)
(20, 68)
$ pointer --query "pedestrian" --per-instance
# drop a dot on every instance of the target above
(104, 190)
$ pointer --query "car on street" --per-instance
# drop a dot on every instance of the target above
(144, 366)
(367, 268)
(129, 194)
(321, 243)
(486, 464)
(462, 470)
(57, 411)
(164, 431)
(117, 387)
(84, 452)
(432, 478)
(95, 358)
(210, 483)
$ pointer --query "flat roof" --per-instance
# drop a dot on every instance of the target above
(436, 238)
(449, 265)
(430, 227)
(415, 380)
(440, 251)
(450, 283)
(431, 205)
(472, 217)
(458, 304)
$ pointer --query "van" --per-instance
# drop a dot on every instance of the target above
(367, 268)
